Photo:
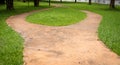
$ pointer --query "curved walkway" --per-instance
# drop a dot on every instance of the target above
(76, 44)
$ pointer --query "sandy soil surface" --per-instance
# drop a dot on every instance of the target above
(75, 44)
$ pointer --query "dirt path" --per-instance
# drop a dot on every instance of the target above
(76, 44)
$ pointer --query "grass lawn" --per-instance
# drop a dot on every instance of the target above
(109, 29)
(11, 44)
(57, 16)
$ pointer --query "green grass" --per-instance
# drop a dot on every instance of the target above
(11, 43)
(57, 16)
(109, 28)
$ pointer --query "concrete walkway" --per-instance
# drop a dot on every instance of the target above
(75, 44)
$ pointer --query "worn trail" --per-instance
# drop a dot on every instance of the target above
(75, 44)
